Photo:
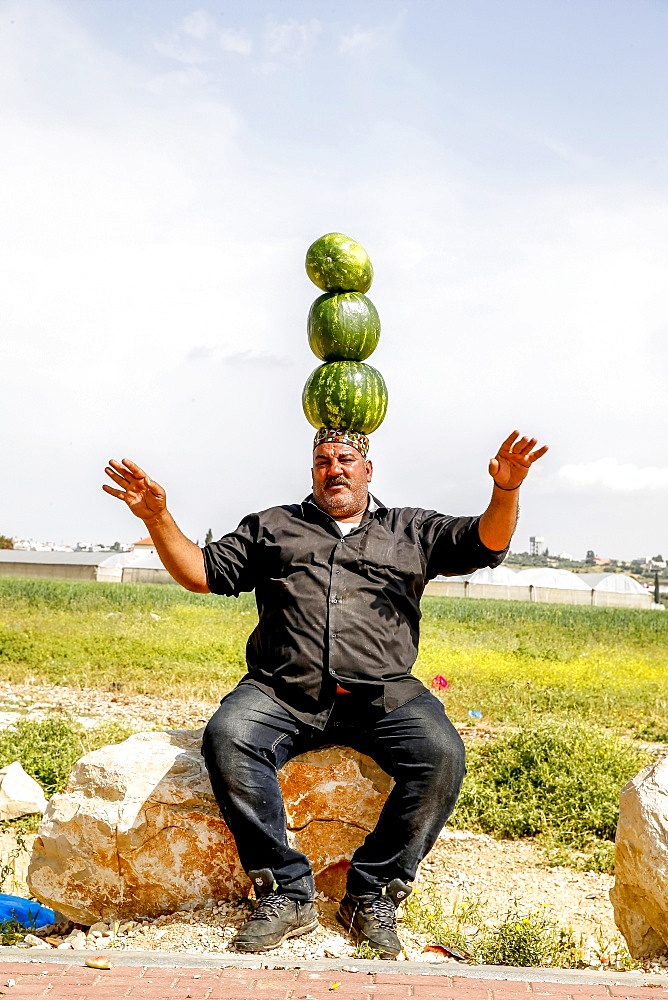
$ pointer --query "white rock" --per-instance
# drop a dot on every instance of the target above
(334, 947)
(138, 832)
(34, 942)
(77, 940)
(640, 893)
(20, 794)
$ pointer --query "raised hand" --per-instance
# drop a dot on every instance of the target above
(513, 460)
(142, 495)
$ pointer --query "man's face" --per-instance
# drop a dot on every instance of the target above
(340, 480)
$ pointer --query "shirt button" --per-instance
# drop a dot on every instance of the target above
(334, 635)
(334, 600)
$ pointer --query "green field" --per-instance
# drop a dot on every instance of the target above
(517, 663)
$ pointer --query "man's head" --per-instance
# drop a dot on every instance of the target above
(340, 479)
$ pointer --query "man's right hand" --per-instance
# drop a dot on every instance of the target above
(145, 498)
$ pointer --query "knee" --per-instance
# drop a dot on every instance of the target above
(220, 741)
(447, 754)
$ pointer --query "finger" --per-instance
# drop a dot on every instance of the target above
(493, 467)
(538, 453)
(134, 469)
(508, 443)
(119, 494)
(524, 446)
(117, 467)
(119, 480)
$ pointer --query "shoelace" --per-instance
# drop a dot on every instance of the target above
(385, 912)
(270, 905)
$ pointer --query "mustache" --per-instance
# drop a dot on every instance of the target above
(335, 481)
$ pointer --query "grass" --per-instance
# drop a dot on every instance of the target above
(519, 937)
(143, 639)
(48, 748)
(561, 781)
(517, 663)
(560, 683)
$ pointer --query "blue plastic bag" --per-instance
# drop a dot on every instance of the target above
(27, 912)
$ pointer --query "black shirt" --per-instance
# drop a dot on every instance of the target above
(339, 609)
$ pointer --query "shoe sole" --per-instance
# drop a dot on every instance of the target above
(295, 932)
(385, 956)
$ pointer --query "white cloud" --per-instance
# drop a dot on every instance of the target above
(232, 40)
(291, 39)
(198, 25)
(173, 47)
(611, 474)
(198, 39)
(359, 39)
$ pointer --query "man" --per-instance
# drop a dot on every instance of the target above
(338, 581)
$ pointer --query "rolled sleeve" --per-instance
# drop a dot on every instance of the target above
(452, 546)
(229, 563)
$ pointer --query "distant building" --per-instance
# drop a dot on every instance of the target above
(537, 546)
(144, 546)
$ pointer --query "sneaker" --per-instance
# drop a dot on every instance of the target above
(276, 917)
(374, 918)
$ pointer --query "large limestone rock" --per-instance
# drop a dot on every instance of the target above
(640, 893)
(138, 833)
(20, 795)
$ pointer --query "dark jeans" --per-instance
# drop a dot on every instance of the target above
(250, 737)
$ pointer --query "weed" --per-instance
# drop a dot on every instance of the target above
(518, 938)
(652, 731)
(426, 913)
(559, 780)
(48, 748)
(528, 940)
(8, 867)
(364, 950)
(12, 932)
(595, 856)
(612, 956)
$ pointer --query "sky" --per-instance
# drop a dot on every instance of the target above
(164, 167)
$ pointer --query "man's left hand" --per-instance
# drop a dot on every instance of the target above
(513, 460)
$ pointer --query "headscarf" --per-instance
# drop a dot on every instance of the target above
(341, 435)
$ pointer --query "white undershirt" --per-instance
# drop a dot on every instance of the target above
(346, 526)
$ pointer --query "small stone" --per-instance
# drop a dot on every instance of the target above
(76, 940)
(99, 925)
(35, 942)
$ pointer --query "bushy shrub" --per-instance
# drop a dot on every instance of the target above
(528, 940)
(562, 781)
(518, 938)
(48, 748)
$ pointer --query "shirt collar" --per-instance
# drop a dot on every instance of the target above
(374, 506)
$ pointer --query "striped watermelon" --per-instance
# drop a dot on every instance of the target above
(343, 326)
(336, 263)
(346, 394)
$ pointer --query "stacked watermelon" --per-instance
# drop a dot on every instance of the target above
(343, 330)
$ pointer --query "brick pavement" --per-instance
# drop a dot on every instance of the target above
(23, 980)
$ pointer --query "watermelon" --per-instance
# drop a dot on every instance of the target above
(336, 263)
(343, 326)
(346, 394)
